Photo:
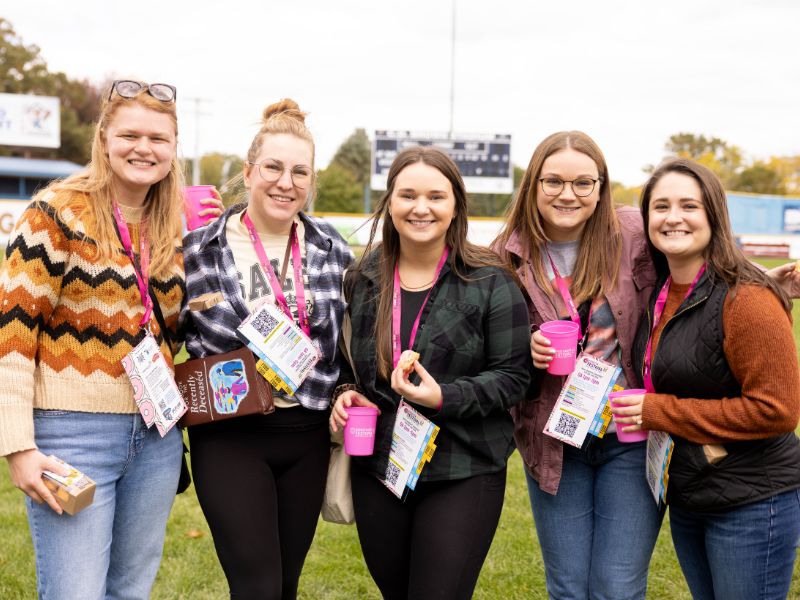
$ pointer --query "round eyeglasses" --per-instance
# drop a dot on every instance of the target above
(128, 88)
(272, 170)
(581, 187)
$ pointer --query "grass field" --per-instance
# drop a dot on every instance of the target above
(335, 568)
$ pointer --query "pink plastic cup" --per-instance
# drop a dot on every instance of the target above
(632, 436)
(192, 194)
(563, 336)
(359, 430)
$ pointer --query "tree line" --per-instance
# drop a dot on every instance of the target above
(342, 186)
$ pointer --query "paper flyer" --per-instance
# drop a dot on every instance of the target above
(286, 354)
(412, 447)
(659, 455)
(581, 399)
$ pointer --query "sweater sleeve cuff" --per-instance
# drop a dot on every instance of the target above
(16, 429)
(651, 412)
(448, 406)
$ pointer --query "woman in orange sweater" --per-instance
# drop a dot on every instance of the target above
(718, 359)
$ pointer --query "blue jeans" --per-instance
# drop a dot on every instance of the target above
(111, 549)
(741, 553)
(598, 532)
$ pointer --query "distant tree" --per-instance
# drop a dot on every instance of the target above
(718, 155)
(354, 155)
(625, 195)
(759, 178)
(24, 71)
(788, 169)
(338, 190)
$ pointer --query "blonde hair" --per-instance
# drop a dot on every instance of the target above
(286, 117)
(164, 203)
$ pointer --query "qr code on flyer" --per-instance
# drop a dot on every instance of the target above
(392, 473)
(567, 424)
(264, 323)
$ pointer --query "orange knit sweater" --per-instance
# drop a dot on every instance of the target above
(67, 319)
(760, 349)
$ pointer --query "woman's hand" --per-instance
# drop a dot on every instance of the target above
(344, 400)
(788, 277)
(427, 393)
(541, 352)
(26, 469)
(628, 412)
(215, 207)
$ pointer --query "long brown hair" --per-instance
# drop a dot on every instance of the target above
(600, 249)
(164, 199)
(724, 259)
(383, 256)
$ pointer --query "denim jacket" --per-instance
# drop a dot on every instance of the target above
(542, 454)
(210, 268)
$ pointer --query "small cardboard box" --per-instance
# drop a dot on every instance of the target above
(73, 492)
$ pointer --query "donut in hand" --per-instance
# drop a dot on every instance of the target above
(407, 360)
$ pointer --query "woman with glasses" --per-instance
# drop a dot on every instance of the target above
(260, 479)
(583, 260)
(92, 271)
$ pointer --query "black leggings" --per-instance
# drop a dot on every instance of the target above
(261, 492)
(434, 544)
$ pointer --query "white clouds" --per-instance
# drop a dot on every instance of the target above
(628, 73)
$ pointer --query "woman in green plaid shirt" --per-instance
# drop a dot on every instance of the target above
(425, 287)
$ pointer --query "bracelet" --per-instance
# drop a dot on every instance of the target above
(345, 387)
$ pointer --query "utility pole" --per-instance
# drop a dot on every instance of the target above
(452, 66)
(196, 160)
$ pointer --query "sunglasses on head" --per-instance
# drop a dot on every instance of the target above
(130, 89)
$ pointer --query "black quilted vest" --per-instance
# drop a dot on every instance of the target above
(690, 363)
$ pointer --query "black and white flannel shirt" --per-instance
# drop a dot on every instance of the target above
(210, 269)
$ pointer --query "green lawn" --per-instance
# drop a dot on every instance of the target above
(335, 567)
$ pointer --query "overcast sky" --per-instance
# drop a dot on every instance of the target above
(629, 74)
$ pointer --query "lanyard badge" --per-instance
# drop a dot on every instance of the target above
(286, 352)
(154, 389)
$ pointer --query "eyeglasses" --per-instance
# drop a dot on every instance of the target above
(130, 89)
(553, 186)
(272, 170)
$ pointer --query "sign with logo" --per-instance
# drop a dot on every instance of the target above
(30, 121)
(10, 213)
(483, 159)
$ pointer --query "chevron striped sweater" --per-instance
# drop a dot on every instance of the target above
(67, 320)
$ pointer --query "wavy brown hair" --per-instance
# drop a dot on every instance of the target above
(724, 259)
(164, 199)
(600, 249)
(383, 256)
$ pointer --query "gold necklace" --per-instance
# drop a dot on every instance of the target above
(411, 288)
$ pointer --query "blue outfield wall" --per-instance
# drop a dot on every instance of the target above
(769, 215)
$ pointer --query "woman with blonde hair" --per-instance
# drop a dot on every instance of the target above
(260, 478)
(93, 268)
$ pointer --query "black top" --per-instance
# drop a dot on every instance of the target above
(410, 303)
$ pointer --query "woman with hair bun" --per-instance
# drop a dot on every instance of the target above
(260, 479)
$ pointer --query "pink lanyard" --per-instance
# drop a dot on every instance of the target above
(563, 289)
(658, 312)
(142, 276)
(297, 266)
(396, 313)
